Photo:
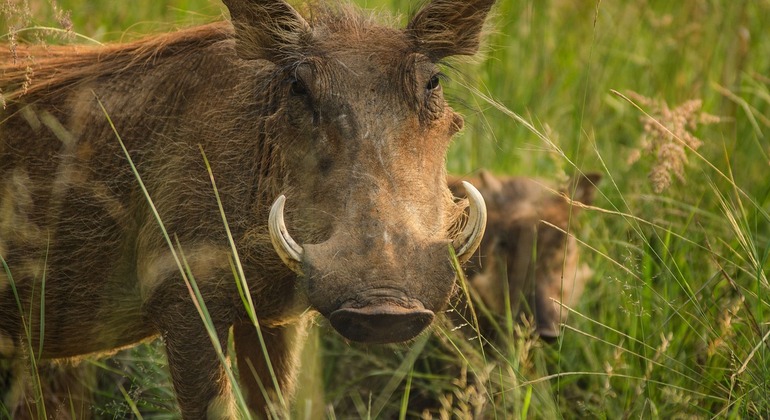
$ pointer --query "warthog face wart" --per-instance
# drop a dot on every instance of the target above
(326, 138)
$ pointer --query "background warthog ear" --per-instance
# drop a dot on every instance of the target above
(269, 30)
(449, 27)
(584, 187)
(490, 182)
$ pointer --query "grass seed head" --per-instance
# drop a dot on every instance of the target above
(668, 132)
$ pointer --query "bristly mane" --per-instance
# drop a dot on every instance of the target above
(36, 69)
(32, 70)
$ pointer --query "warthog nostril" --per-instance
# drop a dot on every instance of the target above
(383, 323)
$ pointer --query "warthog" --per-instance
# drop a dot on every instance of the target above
(337, 119)
(527, 250)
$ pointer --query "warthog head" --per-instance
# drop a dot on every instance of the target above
(369, 217)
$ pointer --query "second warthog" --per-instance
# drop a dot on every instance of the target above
(529, 257)
(335, 119)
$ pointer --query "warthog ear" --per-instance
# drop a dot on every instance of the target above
(584, 187)
(449, 27)
(269, 30)
(490, 182)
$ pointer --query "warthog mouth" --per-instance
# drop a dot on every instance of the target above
(381, 323)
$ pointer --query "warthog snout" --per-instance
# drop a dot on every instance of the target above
(383, 284)
(386, 322)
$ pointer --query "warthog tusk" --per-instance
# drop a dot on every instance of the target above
(289, 251)
(470, 238)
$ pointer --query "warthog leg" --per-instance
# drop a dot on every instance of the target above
(256, 379)
(201, 384)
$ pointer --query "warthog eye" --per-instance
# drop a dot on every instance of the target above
(298, 88)
(434, 82)
(434, 103)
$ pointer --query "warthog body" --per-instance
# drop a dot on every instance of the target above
(342, 116)
(527, 250)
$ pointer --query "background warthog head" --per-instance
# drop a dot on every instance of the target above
(527, 248)
(364, 130)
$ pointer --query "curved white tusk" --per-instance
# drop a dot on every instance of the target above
(470, 238)
(284, 245)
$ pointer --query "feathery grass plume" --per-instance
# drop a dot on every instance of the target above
(64, 19)
(728, 314)
(465, 401)
(18, 19)
(654, 361)
(668, 132)
(14, 18)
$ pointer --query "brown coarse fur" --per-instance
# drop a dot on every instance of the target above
(529, 257)
(343, 116)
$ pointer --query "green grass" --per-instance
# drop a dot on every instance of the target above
(674, 323)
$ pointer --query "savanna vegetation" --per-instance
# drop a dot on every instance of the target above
(670, 101)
